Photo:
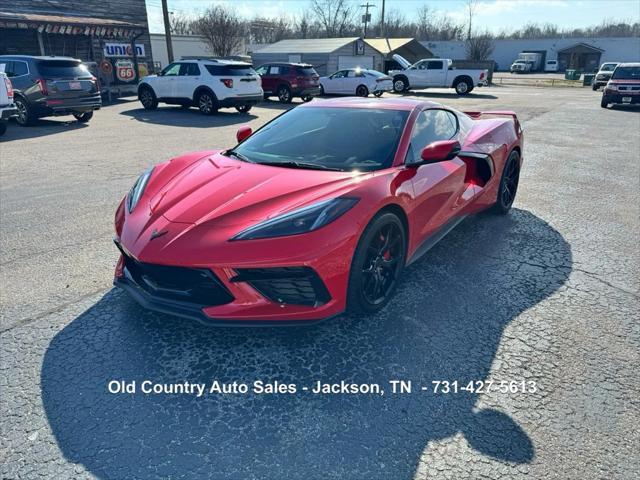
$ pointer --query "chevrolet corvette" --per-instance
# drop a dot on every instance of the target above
(316, 213)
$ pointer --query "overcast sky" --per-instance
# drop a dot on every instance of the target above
(492, 14)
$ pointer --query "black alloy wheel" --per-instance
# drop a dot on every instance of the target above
(362, 91)
(83, 117)
(377, 264)
(243, 108)
(508, 184)
(148, 98)
(307, 98)
(378, 93)
(24, 117)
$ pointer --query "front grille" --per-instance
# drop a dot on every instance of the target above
(178, 284)
(286, 285)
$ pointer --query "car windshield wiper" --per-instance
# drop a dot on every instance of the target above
(239, 156)
(309, 166)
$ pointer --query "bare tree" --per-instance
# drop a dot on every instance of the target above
(222, 30)
(265, 30)
(480, 47)
(335, 16)
(180, 24)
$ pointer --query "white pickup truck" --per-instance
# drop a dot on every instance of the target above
(434, 73)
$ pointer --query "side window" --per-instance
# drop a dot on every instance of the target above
(340, 74)
(171, 70)
(435, 65)
(261, 70)
(191, 69)
(421, 65)
(431, 126)
(6, 67)
(274, 70)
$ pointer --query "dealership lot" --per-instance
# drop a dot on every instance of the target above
(548, 295)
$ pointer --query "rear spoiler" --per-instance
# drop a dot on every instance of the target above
(507, 113)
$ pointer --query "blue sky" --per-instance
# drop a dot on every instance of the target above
(492, 14)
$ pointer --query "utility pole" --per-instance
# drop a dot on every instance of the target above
(167, 30)
(382, 34)
(366, 18)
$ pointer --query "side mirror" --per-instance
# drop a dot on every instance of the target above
(440, 151)
(243, 133)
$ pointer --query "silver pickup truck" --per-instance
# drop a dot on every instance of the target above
(7, 108)
(436, 73)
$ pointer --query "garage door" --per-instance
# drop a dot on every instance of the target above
(352, 61)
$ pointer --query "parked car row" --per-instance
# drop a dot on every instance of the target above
(214, 84)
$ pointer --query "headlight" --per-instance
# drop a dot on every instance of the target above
(138, 189)
(303, 220)
(611, 87)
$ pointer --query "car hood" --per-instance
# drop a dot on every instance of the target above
(226, 192)
(403, 62)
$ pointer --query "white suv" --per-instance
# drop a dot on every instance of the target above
(207, 84)
(7, 107)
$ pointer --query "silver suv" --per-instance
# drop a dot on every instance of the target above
(7, 108)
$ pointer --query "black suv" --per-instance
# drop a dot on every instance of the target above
(45, 86)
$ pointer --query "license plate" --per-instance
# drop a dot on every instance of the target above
(626, 99)
(75, 86)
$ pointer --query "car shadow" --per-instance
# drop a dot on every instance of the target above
(445, 323)
(41, 128)
(192, 118)
(626, 108)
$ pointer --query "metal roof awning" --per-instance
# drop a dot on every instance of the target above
(309, 45)
(70, 24)
(580, 46)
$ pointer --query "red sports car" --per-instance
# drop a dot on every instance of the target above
(315, 213)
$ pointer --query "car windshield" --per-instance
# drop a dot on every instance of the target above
(626, 73)
(332, 138)
(608, 67)
(62, 69)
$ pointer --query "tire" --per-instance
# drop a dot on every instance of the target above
(362, 91)
(400, 85)
(321, 90)
(284, 94)
(594, 87)
(378, 93)
(25, 118)
(83, 117)
(147, 98)
(376, 269)
(508, 184)
(206, 102)
(3, 127)
(462, 86)
(243, 108)
(185, 106)
(604, 103)
(307, 98)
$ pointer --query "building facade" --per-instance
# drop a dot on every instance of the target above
(327, 55)
(184, 46)
(580, 53)
(100, 32)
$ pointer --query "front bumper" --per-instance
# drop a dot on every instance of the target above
(617, 98)
(279, 289)
(7, 112)
(241, 100)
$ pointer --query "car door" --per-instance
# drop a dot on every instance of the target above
(334, 83)
(267, 83)
(435, 73)
(187, 82)
(351, 82)
(440, 190)
(272, 78)
(163, 86)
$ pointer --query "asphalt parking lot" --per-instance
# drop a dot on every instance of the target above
(548, 294)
